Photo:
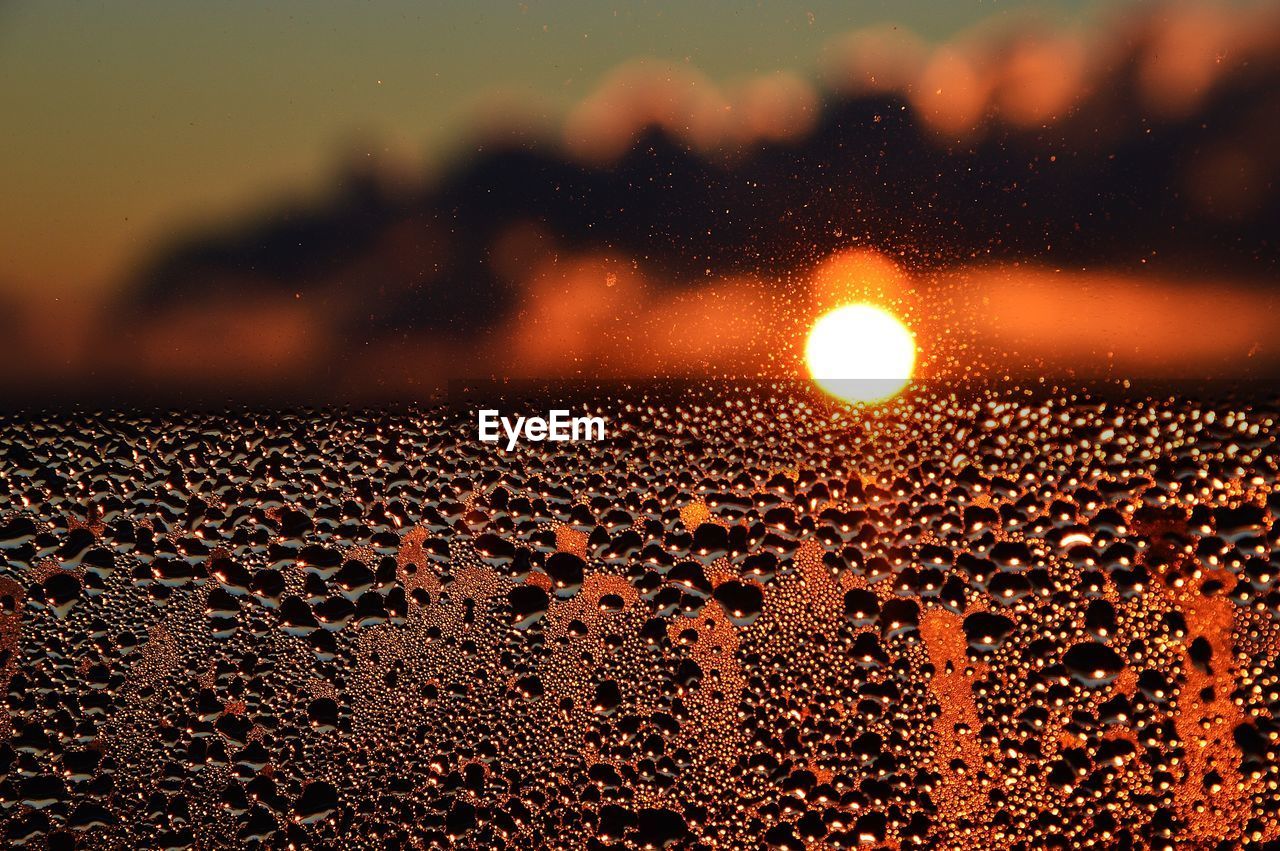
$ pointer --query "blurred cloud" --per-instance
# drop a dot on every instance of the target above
(690, 108)
(1109, 325)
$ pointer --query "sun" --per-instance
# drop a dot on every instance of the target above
(860, 353)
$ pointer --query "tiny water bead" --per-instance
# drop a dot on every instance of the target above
(997, 619)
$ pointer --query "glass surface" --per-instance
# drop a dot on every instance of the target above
(639, 425)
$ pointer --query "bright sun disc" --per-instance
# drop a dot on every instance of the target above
(860, 353)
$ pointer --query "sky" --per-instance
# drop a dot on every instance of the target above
(128, 122)
(184, 212)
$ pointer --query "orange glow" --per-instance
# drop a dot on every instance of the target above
(857, 275)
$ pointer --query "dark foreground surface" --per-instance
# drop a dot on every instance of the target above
(744, 619)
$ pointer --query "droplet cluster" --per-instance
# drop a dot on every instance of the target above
(748, 617)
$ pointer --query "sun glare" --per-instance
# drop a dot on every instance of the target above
(860, 353)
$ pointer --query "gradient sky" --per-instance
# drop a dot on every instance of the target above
(124, 122)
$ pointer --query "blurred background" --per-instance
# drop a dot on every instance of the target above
(359, 202)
